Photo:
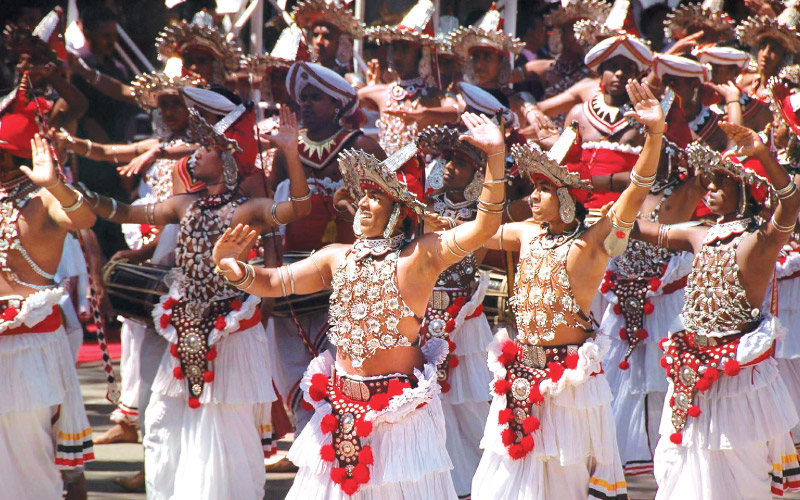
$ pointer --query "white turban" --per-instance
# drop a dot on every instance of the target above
(484, 102)
(680, 67)
(627, 46)
(721, 56)
(324, 79)
(207, 100)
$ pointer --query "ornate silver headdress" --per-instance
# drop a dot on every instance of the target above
(212, 137)
(148, 87)
(782, 28)
(707, 16)
(200, 32)
(571, 11)
(435, 141)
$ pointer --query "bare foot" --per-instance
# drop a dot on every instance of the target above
(282, 465)
(134, 483)
(76, 488)
(120, 433)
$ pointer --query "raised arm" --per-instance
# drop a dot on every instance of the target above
(169, 211)
(112, 153)
(307, 276)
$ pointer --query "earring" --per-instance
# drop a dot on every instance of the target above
(473, 189)
(389, 229)
(357, 224)
(566, 205)
(742, 199)
(337, 111)
(230, 173)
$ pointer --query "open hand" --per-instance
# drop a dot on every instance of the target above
(343, 201)
(685, 44)
(141, 163)
(485, 135)
(286, 138)
(748, 143)
(729, 91)
(232, 246)
(647, 109)
(43, 173)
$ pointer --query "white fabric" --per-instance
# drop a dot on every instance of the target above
(326, 80)
(484, 102)
(575, 447)
(790, 374)
(788, 307)
(407, 440)
(131, 338)
(627, 46)
(27, 459)
(207, 100)
(730, 449)
(209, 453)
(664, 64)
(721, 56)
(73, 326)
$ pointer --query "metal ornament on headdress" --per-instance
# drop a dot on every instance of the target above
(782, 28)
(532, 161)
(148, 87)
(435, 140)
(200, 32)
(571, 11)
(308, 13)
(708, 16)
(359, 167)
(487, 32)
(287, 50)
(210, 137)
(590, 31)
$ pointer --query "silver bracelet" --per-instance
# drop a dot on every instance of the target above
(786, 191)
(75, 205)
(56, 183)
(496, 181)
(283, 285)
(503, 152)
(490, 204)
(451, 221)
(249, 276)
(301, 198)
(150, 213)
(291, 277)
(782, 229)
(641, 181)
(500, 244)
(663, 235)
(274, 215)
(113, 209)
(458, 247)
(617, 222)
(88, 148)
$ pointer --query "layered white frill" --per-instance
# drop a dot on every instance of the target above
(575, 449)
(407, 441)
(37, 370)
(639, 390)
(788, 306)
(739, 445)
(242, 368)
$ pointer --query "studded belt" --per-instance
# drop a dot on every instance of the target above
(363, 390)
(441, 299)
(536, 356)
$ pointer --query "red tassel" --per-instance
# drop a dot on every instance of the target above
(211, 355)
(655, 283)
(571, 361)
(703, 385)
(664, 363)
(510, 351)
(516, 451)
(173, 349)
(535, 395)
(365, 456)
(169, 303)
(338, 475)
(694, 411)
(501, 387)
(642, 334)
(504, 416)
(620, 235)
(316, 393)
(236, 305)
(363, 428)
(329, 423)
(327, 453)
(208, 376)
(555, 371)
(527, 443)
(624, 365)
(623, 333)
(672, 401)
(507, 436)
(220, 324)
(617, 309)
(350, 486)
(450, 326)
(379, 401)
(649, 308)
(605, 287)
(712, 374)
(453, 362)
(177, 372)
(164, 321)
(194, 403)
(676, 437)
(530, 424)
(732, 368)
(396, 387)
(361, 474)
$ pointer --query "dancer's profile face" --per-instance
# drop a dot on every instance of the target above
(458, 173)
(208, 165)
(544, 201)
(486, 66)
(723, 194)
(325, 41)
(375, 207)
(316, 107)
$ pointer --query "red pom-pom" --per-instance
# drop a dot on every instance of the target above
(694, 411)
(236, 305)
(10, 313)
(363, 428)
(144, 229)
(169, 303)
(338, 475)
(306, 405)
(605, 287)
(317, 393)
(623, 333)
(509, 352)
(396, 387)
(177, 372)
(527, 443)
(507, 436)
(379, 401)
(361, 474)
(672, 401)
(164, 321)
(327, 453)
(676, 437)
(624, 365)
(173, 349)
(451, 346)
(530, 424)
(642, 334)
(516, 451)
(555, 371)
(350, 486)
(712, 374)
(654, 283)
(208, 376)
(664, 363)
(194, 403)
(328, 424)
(617, 309)
(252, 254)
(535, 395)
(453, 310)
(504, 416)
(571, 361)
(450, 326)
(460, 301)
(452, 362)
(649, 308)
(662, 342)
(445, 386)
(620, 234)
(319, 380)
(365, 456)
(501, 387)
(220, 324)
(211, 355)
(732, 368)
(703, 385)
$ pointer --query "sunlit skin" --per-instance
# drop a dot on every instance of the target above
(458, 173)
(724, 73)
(102, 40)
(198, 60)
(723, 195)
(486, 65)
(544, 201)
(404, 57)
(325, 42)
(770, 57)
(614, 75)
(174, 112)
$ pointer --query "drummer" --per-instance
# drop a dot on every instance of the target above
(331, 117)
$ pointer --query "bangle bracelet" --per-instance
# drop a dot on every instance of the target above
(97, 76)
(248, 275)
(488, 211)
(503, 152)
(301, 198)
(450, 221)
(283, 285)
(786, 191)
(56, 183)
(496, 181)
(114, 153)
(641, 181)
(617, 222)
(88, 148)
(611, 182)
(75, 205)
(490, 204)
(782, 229)
(663, 235)
(291, 278)
(274, 215)
(321, 276)
(150, 213)
(113, 208)
(500, 243)
(508, 214)
(732, 102)
(450, 249)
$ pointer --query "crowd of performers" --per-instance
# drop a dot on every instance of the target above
(641, 207)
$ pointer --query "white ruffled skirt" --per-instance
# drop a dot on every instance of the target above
(575, 449)
(407, 441)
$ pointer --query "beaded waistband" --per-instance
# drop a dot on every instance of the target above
(363, 389)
